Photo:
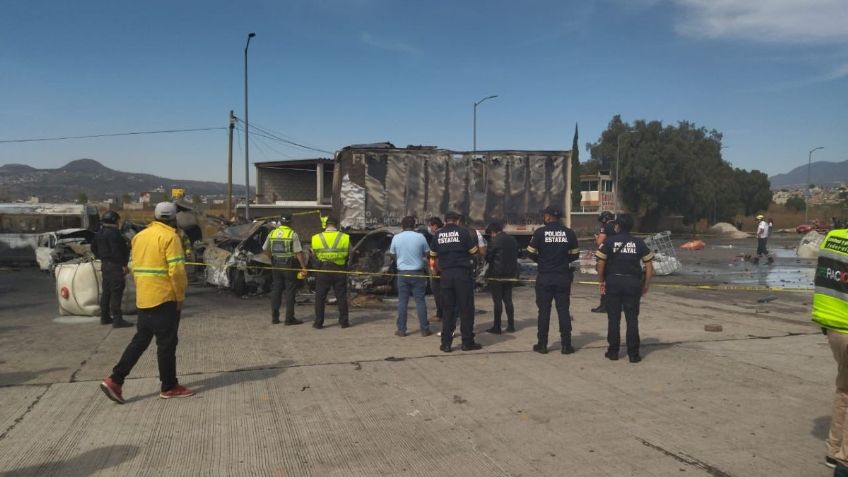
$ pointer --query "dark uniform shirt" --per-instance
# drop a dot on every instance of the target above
(624, 254)
(502, 255)
(110, 246)
(607, 229)
(554, 247)
(453, 246)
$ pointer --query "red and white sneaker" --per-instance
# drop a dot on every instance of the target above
(178, 391)
(112, 390)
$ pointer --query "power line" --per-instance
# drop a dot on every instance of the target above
(271, 135)
(131, 133)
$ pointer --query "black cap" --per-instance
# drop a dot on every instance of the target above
(451, 215)
(285, 218)
(551, 210)
(332, 221)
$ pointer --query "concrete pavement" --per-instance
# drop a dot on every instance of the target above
(752, 400)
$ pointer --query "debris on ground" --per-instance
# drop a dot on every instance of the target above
(713, 328)
(693, 245)
(808, 247)
(665, 257)
(768, 298)
(365, 299)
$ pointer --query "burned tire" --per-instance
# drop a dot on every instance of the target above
(238, 284)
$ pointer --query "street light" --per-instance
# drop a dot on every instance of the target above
(475, 118)
(808, 195)
(246, 132)
(617, 157)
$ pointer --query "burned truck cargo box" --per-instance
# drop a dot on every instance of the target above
(376, 185)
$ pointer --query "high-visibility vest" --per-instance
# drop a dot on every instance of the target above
(830, 300)
(281, 240)
(335, 253)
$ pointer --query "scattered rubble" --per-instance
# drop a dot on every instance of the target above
(727, 230)
(808, 247)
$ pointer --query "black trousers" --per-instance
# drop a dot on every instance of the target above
(502, 297)
(553, 287)
(436, 288)
(457, 289)
(284, 283)
(761, 246)
(113, 291)
(163, 322)
(623, 293)
(323, 283)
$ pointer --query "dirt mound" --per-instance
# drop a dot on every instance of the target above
(808, 247)
(723, 228)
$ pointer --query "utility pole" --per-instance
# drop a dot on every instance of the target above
(477, 103)
(230, 166)
(809, 193)
(246, 142)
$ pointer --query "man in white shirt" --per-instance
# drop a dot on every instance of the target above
(762, 236)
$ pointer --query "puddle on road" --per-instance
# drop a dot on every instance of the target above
(782, 273)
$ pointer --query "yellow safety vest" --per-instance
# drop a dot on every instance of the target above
(830, 300)
(335, 253)
(281, 243)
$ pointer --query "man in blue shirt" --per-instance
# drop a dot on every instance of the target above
(410, 249)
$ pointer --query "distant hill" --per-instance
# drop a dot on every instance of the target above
(821, 173)
(98, 182)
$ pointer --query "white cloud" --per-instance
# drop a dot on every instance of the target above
(388, 45)
(767, 21)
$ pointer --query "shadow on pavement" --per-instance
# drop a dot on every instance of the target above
(226, 378)
(20, 377)
(87, 463)
(821, 427)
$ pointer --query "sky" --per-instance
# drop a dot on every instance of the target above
(771, 75)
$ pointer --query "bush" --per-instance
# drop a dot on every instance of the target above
(796, 203)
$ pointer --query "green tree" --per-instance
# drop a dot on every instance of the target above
(196, 200)
(126, 198)
(82, 198)
(676, 169)
(576, 196)
(796, 203)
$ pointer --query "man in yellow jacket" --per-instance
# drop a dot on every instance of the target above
(830, 311)
(158, 268)
(331, 248)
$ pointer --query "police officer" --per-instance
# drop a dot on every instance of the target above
(283, 244)
(331, 248)
(606, 230)
(111, 249)
(830, 311)
(554, 248)
(453, 247)
(620, 260)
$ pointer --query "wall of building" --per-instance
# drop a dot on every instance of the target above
(290, 184)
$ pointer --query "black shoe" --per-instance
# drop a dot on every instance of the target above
(540, 348)
(599, 309)
(830, 461)
(635, 358)
(494, 330)
(445, 348)
(471, 346)
(293, 321)
(611, 356)
(426, 333)
(510, 329)
(567, 349)
(121, 324)
(105, 321)
(317, 326)
(275, 321)
(344, 324)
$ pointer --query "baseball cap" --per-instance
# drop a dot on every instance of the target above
(285, 218)
(551, 210)
(165, 210)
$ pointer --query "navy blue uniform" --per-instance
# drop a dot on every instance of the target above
(110, 247)
(554, 247)
(454, 246)
(624, 256)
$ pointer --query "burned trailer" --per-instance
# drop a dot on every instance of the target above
(376, 185)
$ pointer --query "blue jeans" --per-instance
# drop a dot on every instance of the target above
(417, 287)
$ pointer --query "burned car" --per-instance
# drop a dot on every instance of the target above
(234, 258)
(61, 246)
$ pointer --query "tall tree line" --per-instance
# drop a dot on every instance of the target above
(676, 170)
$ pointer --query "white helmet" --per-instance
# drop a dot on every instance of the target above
(165, 211)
